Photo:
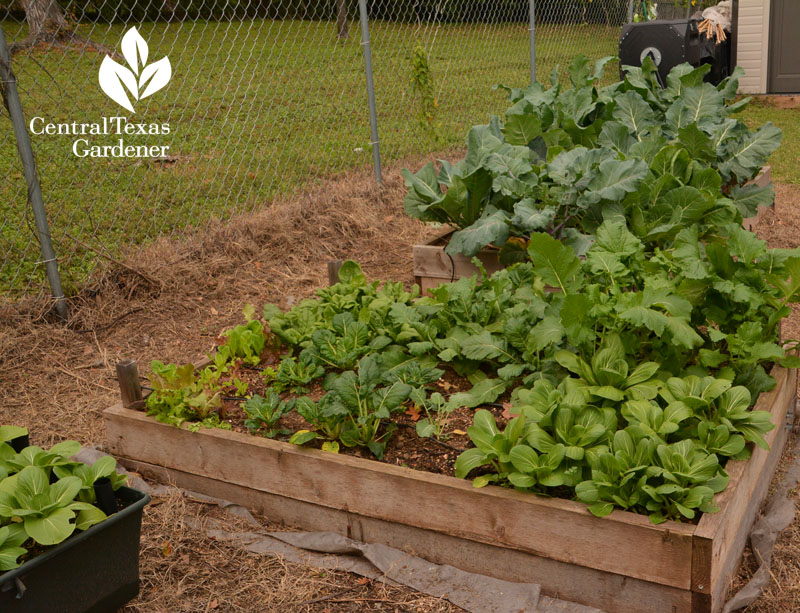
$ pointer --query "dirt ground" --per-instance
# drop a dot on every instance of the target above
(170, 301)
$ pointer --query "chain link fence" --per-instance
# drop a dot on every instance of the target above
(264, 98)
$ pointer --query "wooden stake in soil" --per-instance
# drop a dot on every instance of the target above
(333, 271)
(129, 387)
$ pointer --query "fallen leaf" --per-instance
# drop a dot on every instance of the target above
(363, 581)
(459, 432)
(214, 311)
(212, 604)
(388, 218)
(413, 412)
(507, 411)
(167, 550)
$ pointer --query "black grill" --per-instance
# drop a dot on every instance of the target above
(670, 43)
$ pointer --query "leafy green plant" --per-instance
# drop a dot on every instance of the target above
(46, 510)
(295, 374)
(423, 88)
(247, 340)
(266, 412)
(608, 376)
(361, 403)
(437, 414)
(564, 160)
(11, 539)
(343, 345)
(179, 395)
(691, 478)
(45, 496)
(9, 433)
(617, 474)
(57, 456)
(88, 474)
(414, 373)
(491, 447)
(723, 420)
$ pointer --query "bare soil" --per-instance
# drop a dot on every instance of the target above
(170, 301)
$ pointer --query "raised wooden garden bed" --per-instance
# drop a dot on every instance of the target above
(432, 266)
(618, 563)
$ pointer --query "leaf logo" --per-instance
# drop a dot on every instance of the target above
(117, 81)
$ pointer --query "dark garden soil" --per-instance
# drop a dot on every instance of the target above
(404, 446)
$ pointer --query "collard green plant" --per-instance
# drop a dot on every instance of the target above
(563, 160)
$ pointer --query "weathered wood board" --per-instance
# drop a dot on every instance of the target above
(620, 563)
(432, 266)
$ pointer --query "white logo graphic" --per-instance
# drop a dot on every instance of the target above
(114, 76)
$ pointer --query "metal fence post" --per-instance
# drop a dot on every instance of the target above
(532, 30)
(630, 11)
(31, 176)
(373, 116)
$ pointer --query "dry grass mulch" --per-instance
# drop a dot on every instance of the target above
(183, 570)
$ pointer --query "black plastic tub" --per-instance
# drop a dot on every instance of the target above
(94, 570)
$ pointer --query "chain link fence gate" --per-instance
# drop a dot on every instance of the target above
(265, 98)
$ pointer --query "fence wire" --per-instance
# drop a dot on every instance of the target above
(266, 98)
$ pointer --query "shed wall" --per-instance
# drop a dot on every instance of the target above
(752, 51)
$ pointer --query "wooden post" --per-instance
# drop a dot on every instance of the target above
(129, 387)
(333, 271)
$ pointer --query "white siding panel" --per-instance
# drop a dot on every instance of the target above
(753, 45)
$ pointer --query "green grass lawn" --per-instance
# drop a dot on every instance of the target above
(786, 160)
(257, 110)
